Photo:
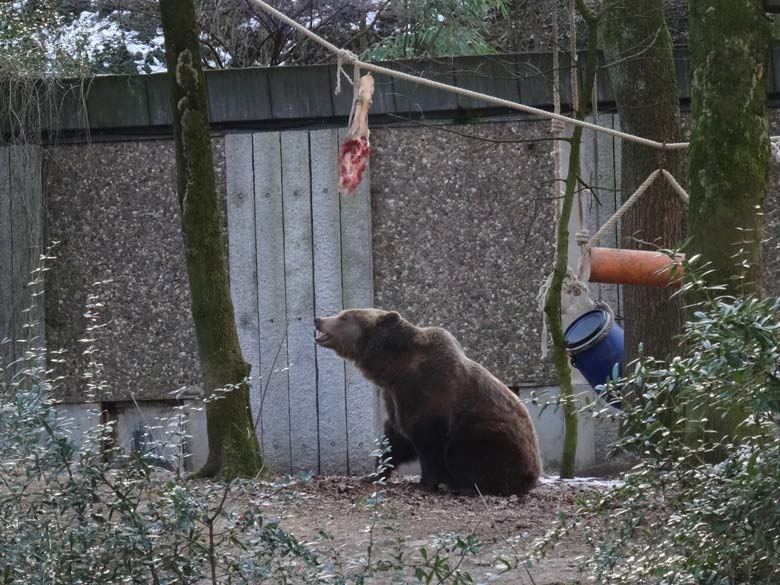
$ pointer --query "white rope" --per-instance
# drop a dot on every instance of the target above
(594, 180)
(339, 72)
(676, 186)
(557, 128)
(355, 93)
(586, 243)
(575, 91)
(350, 57)
(622, 211)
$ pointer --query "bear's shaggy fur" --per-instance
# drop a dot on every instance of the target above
(465, 426)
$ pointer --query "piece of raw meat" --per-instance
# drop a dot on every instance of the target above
(355, 152)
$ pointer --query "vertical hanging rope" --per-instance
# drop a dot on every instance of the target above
(557, 128)
(575, 88)
(595, 176)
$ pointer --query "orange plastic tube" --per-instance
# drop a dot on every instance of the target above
(637, 267)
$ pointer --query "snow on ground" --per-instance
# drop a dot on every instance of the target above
(92, 36)
(588, 482)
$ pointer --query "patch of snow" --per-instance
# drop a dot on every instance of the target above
(92, 35)
(594, 482)
(251, 24)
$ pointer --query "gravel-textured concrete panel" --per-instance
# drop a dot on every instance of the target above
(463, 236)
(114, 209)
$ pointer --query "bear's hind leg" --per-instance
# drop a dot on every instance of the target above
(488, 465)
(430, 440)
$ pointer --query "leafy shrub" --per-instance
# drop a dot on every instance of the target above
(92, 514)
(702, 505)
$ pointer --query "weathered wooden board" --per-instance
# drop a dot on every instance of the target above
(608, 191)
(537, 75)
(682, 64)
(242, 254)
(158, 96)
(299, 92)
(492, 75)
(118, 102)
(6, 251)
(301, 251)
(273, 388)
(27, 245)
(413, 97)
(239, 95)
(296, 189)
(358, 285)
(326, 227)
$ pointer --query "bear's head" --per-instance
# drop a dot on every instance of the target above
(359, 334)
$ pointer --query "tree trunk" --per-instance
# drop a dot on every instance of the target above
(638, 45)
(552, 311)
(233, 447)
(552, 305)
(729, 157)
(729, 151)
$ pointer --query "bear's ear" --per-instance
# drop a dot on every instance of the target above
(390, 318)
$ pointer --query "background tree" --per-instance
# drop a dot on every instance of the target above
(552, 304)
(638, 48)
(729, 158)
(233, 447)
(435, 28)
(729, 150)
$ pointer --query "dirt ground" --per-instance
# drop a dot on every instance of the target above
(338, 507)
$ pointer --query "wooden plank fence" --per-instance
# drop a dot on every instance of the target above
(297, 249)
(21, 245)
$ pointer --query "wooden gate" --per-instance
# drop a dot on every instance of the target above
(298, 249)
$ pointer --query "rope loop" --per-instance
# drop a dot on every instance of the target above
(582, 237)
(557, 126)
(343, 56)
(355, 91)
(662, 156)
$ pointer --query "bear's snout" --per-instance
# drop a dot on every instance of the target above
(321, 336)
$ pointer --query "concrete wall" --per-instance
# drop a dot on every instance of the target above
(113, 209)
(462, 225)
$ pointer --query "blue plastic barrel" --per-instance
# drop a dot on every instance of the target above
(595, 343)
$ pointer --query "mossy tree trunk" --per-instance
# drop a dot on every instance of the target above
(729, 157)
(233, 446)
(638, 44)
(729, 150)
(552, 306)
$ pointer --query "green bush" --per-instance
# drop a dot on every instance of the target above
(702, 506)
(88, 514)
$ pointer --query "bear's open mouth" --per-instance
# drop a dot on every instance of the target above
(321, 337)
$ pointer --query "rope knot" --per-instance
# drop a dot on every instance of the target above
(343, 56)
(557, 126)
(346, 56)
(582, 237)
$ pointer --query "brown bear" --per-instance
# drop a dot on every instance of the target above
(465, 426)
